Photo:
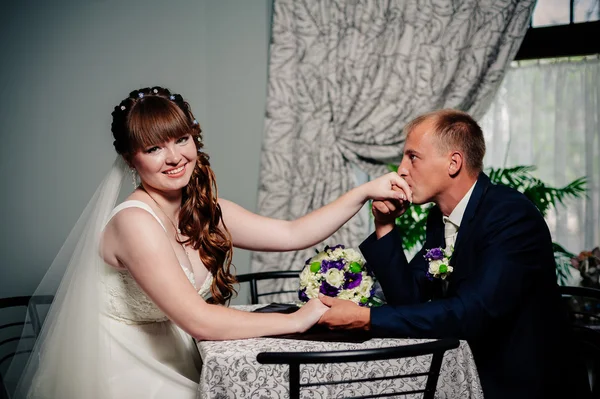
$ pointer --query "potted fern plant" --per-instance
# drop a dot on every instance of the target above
(520, 178)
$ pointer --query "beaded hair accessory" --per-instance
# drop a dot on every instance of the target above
(172, 97)
(176, 98)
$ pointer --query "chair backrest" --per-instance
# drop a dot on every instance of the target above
(583, 304)
(16, 325)
(435, 348)
(253, 278)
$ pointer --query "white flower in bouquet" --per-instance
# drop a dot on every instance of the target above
(334, 277)
(338, 272)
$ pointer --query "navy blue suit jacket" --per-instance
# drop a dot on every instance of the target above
(502, 296)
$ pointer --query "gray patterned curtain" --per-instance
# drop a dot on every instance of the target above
(346, 76)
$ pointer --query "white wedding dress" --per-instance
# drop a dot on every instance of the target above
(150, 357)
(103, 338)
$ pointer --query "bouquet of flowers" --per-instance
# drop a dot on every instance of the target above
(339, 272)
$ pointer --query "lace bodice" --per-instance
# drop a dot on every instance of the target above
(125, 300)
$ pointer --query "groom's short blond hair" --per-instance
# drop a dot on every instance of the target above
(455, 130)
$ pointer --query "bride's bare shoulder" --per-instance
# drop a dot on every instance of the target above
(131, 226)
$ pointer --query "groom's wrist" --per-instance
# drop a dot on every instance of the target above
(364, 318)
(382, 229)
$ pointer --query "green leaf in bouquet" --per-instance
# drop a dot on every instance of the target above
(355, 267)
(315, 267)
(375, 302)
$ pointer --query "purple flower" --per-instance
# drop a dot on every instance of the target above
(302, 295)
(434, 254)
(334, 247)
(328, 289)
(352, 280)
(331, 264)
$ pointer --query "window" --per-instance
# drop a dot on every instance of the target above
(563, 12)
(562, 28)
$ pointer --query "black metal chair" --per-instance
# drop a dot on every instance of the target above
(19, 327)
(253, 278)
(584, 309)
(436, 348)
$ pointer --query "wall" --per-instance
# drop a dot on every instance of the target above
(66, 64)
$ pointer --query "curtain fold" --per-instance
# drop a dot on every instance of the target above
(346, 76)
(547, 114)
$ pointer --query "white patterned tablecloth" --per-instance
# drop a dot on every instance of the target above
(230, 370)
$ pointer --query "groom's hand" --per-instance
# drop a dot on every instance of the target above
(385, 213)
(344, 314)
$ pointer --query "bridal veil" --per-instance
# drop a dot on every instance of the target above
(70, 356)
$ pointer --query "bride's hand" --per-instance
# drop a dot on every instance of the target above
(388, 187)
(309, 314)
(387, 211)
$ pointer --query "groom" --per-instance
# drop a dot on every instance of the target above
(500, 293)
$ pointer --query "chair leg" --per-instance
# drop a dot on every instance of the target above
(294, 381)
(434, 372)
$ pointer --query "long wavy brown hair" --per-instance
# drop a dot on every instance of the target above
(151, 116)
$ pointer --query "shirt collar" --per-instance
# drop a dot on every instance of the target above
(459, 211)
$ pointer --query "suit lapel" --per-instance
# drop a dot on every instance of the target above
(434, 239)
(466, 224)
(435, 235)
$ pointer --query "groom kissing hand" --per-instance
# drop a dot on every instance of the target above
(486, 272)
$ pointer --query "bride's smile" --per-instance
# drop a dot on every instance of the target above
(167, 166)
(176, 172)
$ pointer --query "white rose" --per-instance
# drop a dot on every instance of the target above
(434, 267)
(354, 256)
(364, 289)
(334, 277)
(306, 276)
(312, 291)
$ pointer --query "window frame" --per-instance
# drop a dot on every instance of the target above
(573, 39)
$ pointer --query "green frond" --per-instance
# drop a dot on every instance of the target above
(562, 258)
(542, 195)
(413, 222)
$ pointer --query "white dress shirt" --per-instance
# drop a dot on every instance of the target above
(452, 222)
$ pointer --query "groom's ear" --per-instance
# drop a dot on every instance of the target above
(456, 163)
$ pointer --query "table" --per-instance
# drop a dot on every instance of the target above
(230, 369)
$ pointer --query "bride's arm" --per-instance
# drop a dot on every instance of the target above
(260, 233)
(136, 240)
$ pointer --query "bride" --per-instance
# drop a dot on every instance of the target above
(138, 280)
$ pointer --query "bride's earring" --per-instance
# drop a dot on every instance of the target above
(134, 178)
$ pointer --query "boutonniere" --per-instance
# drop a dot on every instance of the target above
(439, 263)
